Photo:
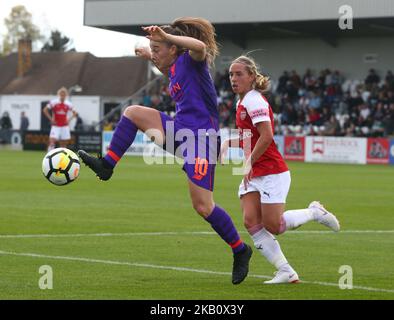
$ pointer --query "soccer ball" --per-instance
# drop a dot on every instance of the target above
(60, 166)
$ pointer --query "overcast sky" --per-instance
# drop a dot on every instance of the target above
(67, 17)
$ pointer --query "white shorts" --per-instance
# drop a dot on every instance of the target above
(60, 133)
(272, 188)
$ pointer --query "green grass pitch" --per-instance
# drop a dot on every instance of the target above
(137, 236)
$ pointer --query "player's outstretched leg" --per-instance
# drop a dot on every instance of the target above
(293, 219)
(324, 217)
(122, 139)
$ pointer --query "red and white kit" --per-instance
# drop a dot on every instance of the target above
(271, 176)
(60, 130)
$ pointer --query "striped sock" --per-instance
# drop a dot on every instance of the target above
(224, 227)
(122, 139)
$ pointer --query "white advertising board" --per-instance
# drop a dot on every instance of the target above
(336, 150)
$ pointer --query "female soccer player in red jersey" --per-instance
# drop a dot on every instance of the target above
(266, 183)
(183, 52)
(60, 129)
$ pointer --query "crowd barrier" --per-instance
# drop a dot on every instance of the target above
(38, 140)
(306, 149)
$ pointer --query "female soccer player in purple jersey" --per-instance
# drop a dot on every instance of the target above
(183, 50)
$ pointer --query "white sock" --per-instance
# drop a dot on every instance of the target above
(296, 218)
(269, 247)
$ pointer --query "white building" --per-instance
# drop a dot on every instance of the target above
(28, 82)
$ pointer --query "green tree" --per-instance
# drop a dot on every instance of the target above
(58, 42)
(19, 26)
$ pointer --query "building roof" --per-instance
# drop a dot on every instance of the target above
(118, 77)
(128, 12)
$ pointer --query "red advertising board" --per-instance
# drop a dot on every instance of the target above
(294, 148)
(378, 150)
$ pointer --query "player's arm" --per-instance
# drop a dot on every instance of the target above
(265, 139)
(197, 48)
(74, 115)
(227, 144)
(258, 110)
(231, 143)
(263, 142)
(46, 113)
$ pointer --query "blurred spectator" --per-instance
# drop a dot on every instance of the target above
(5, 128)
(389, 80)
(24, 122)
(108, 125)
(78, 124)
(224, 114)
(336, 78)
(308, 80)
(372, 77)
(315, 100)
(289, 114)
(5, 121)
(282, 82)
(314, 117)
(295, 79)
(388, 121)
(331, 127)
(146, 99)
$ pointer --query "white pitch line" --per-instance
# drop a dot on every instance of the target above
(153, 266)
(175, 233)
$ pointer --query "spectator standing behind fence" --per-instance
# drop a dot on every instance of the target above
(78, 124)
(5, 127)
(372, 77)
(24, 122)
(5, 121)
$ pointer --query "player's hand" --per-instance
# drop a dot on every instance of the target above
(155, 33)
(143, 52)
(248, 173)
(247, 178)
(223, 151)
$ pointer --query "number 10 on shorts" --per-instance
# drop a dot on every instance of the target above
(200, 168)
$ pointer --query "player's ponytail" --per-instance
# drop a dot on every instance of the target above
(262, 82)
(198, 28)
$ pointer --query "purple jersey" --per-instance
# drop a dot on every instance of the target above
(191, 87)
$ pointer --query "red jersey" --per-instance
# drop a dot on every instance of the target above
(255, 108)
(60, 110)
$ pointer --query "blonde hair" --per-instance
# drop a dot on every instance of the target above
(62, 89)
(198, 28)
(262, 82)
